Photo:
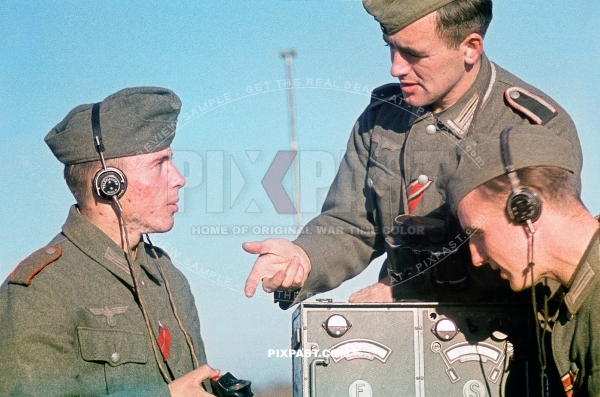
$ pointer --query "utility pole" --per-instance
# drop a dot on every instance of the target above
(288, 56)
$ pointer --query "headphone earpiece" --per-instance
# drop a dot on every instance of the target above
(110, 182)
(523, 206)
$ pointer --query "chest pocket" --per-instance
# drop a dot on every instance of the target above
(113, 347)
(384, 176)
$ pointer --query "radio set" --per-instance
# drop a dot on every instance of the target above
(412, 349)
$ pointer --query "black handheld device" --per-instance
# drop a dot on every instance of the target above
(229, 386)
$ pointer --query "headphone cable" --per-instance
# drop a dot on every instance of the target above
(129, 257)
(540, 334)
(188, 338)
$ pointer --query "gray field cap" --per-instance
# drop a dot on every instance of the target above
(395, 15)
(133, 121)
(480, 160)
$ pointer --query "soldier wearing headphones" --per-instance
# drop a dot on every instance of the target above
(397, 159)
(523, 213)
(100, 310)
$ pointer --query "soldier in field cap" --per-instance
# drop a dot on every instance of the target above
(100, 310)
(529, 223)
(395, 15)
(399, 153)
(398, 160)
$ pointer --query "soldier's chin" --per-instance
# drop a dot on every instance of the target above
(165, 227)
(170, 226)
(518, 285)
(414, 99)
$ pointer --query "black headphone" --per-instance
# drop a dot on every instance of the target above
(523, 204)
(109, 182)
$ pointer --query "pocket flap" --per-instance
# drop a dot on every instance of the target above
(114, 347)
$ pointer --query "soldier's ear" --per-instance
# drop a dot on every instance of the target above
(472, 48)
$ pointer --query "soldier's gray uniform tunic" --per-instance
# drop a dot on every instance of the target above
(76, 329)
(391, 145)
(576, 334)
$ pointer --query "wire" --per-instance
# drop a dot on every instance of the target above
(128, 256)
(188, 339)
(540, 335)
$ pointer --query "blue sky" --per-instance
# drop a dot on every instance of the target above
(222, 59)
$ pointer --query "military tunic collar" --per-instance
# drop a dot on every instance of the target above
(457, 118)
(98, 246)
(584, 276)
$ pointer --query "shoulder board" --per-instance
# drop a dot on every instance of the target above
(535, 108)
(386, 93)
(33, 264)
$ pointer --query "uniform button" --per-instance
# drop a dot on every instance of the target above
(115, 357)
(573, 367)
(430, 129)
(369, 182)
(423, 179)
(50, 251)
(515, 94)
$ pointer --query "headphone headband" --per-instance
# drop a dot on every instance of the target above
(109, 182)
(515, 184)
(96, 129)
